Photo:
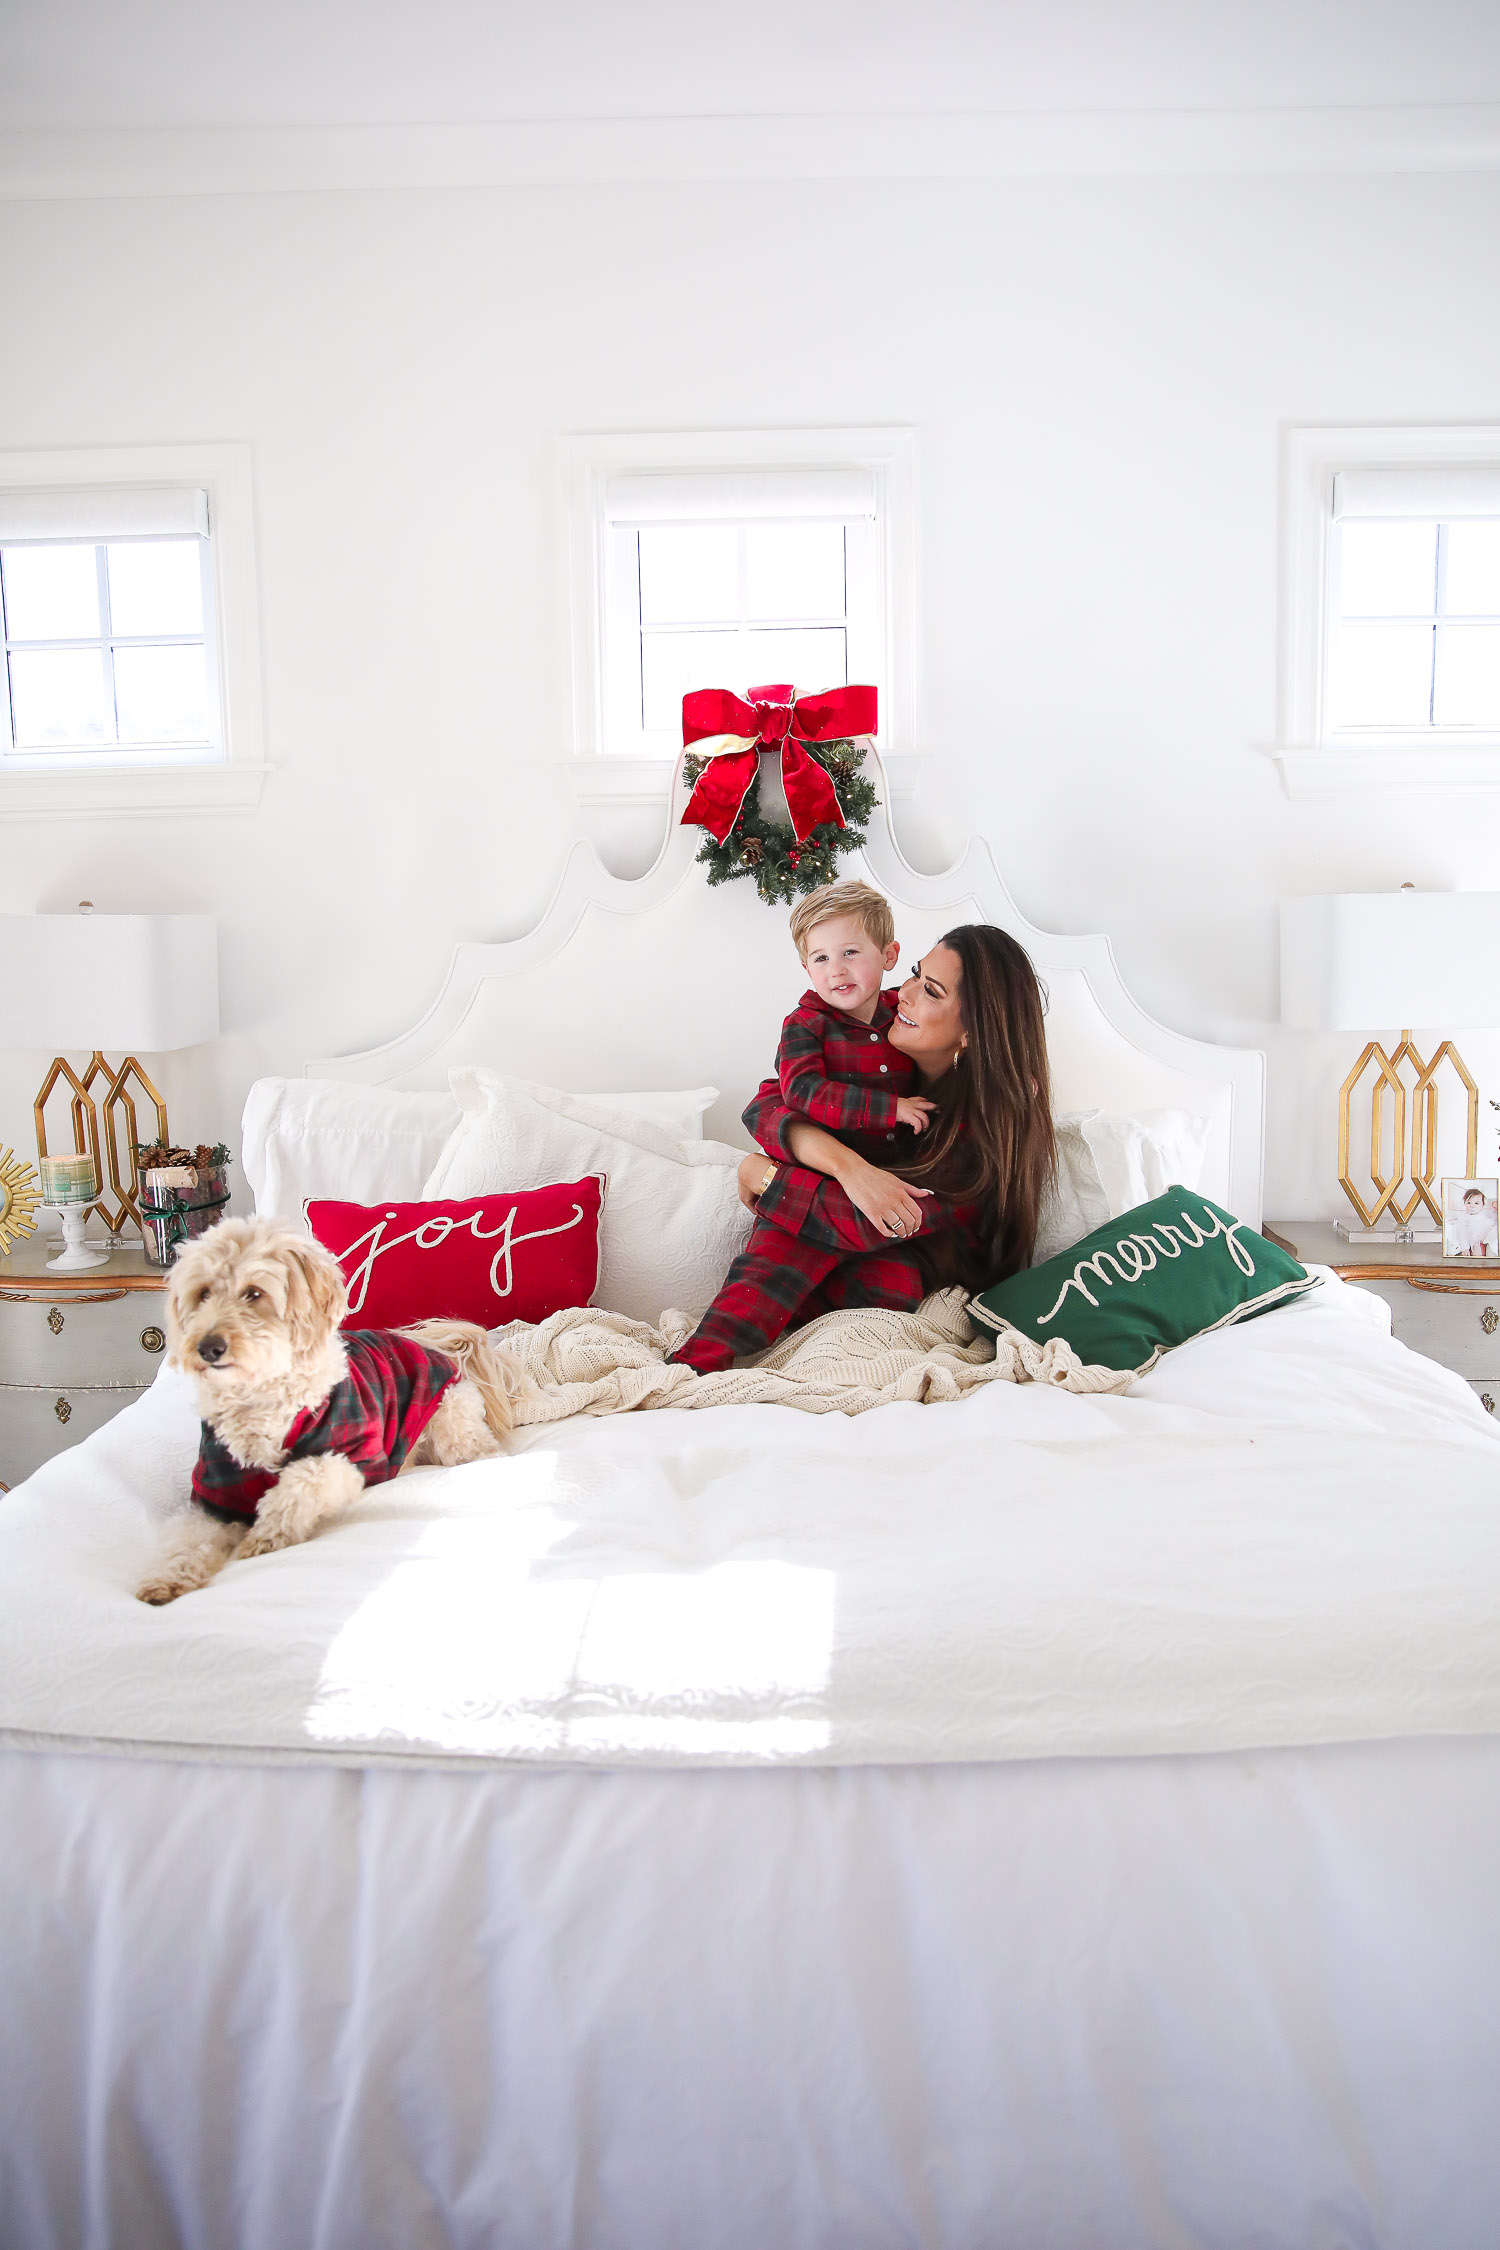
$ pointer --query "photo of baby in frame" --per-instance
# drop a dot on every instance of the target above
(1471, 1218)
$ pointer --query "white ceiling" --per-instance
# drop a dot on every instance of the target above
(134, 65)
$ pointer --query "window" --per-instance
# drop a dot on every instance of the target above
(733, 561)
(731, 582)
(1392, 655)
(115, 592)
(108, 643)
(1414, 603)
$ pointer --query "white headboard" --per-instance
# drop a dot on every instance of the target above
(663, 982)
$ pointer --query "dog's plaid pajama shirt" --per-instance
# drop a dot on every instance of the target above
(374, 1417)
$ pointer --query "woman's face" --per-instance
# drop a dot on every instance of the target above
(928, 1026)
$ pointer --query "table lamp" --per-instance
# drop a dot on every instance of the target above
(1357, 961)
(141, 983)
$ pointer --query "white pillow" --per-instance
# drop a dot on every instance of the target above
(1107, 1165)
(672, 1218)
(681, 1113)
(1141, 1156)
(304, 1137)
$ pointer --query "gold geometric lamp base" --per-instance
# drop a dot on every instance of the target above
(116, 1113)
(1397, 1157)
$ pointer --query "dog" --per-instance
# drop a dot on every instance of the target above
(297, 1418)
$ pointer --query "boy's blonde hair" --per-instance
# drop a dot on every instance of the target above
(869, 908)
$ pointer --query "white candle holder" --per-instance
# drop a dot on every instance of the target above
(75, 1253)
(70, 1184)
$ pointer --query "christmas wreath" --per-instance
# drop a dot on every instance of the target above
(819, 741)
(768, 850)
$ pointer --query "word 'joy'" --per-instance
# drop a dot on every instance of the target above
(432, 1234)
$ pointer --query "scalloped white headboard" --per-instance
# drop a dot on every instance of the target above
(662, 982)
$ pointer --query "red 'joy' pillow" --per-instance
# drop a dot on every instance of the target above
(490, 1258)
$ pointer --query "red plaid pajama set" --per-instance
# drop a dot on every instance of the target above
(810, 1251)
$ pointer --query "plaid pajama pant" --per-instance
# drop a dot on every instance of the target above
(778, 1280)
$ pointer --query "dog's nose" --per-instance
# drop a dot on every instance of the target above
(212, 1349)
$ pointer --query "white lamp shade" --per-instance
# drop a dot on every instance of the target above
(126, 983)
(1378, 960)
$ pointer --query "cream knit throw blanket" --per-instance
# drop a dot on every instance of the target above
(586, 1362)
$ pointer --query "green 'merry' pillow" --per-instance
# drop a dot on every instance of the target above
(1168, 1270)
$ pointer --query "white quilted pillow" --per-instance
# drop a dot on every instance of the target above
(672, 1217)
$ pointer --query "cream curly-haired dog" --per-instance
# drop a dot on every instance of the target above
(297, 1418)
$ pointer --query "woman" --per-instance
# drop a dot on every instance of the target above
(832, 1229)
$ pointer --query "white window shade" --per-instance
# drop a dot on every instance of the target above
(740, 496)
(1436, 493)
(120, 512)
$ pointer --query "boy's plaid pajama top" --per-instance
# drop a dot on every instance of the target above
(843, 1075)
(390, 1391)
(810, 1251)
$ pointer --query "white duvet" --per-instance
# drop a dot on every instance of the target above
(1288, 1533)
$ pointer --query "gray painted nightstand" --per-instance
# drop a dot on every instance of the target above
(1448, 1308)
(74, 1348)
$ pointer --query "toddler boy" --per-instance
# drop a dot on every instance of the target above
(835, 1064)
(836, 1067)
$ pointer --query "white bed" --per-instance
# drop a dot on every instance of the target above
(1036, 1821)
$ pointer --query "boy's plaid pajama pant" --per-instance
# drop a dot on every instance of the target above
(778, 1278)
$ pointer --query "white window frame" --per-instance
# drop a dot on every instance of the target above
(117, 779)
(587, 464)
(1313, 760)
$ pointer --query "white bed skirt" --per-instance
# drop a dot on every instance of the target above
(1134, 2003)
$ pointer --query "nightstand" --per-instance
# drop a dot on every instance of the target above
(74, 1348)
(1448, 1308)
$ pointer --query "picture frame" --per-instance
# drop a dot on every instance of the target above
(1471, 1218)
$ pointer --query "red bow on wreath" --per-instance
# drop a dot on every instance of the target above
(774, 718)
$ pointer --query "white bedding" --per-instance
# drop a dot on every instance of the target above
(1289, 1533)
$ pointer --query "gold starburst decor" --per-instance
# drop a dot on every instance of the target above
(20, 1198)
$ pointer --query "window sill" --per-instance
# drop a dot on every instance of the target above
(632, 781)
(79, 792)
(1315, 771)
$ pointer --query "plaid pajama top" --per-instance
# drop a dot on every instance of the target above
(845, 1075)
(818, 1211)
(391, 1390)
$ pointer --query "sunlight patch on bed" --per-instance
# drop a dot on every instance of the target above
(488, 1637)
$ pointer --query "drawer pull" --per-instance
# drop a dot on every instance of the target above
(55, 1321)
(152, 1340)
(1486, 1400)
(1489, 1320)
(63, 1411)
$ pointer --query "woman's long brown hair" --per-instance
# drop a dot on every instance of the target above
(990, 1139)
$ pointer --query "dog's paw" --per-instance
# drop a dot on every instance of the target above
(158, 1591)
(261, 1539)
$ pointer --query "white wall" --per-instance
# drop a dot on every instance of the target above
(1099, 371)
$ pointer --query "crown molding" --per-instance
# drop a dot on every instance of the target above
(40, 166)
